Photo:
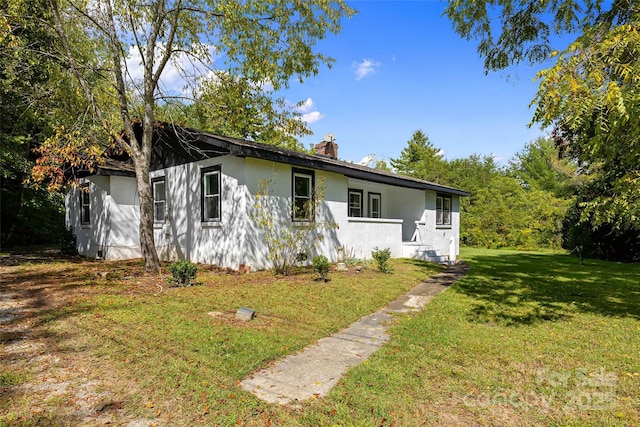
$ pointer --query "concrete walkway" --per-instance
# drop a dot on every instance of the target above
(314, 371)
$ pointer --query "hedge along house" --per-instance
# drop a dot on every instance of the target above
(205, 189)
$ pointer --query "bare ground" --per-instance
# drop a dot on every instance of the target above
(49, 378)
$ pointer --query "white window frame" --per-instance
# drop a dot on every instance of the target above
(356, 209)
(443, 210)
(307, 198)
(216, 195)
(372, 212)
(159, 204)
(85, 202)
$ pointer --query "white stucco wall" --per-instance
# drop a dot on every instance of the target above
(407, 204)
(183, 235)
(237, 239)
(113, 228)
(323, 240)
(443, 232)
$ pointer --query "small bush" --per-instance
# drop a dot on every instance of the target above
(182, 273)
(381, 257)
(67, 242)
(302, 257)
(321, 266)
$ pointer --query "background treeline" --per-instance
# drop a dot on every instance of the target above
(536, 201)
(32, 99)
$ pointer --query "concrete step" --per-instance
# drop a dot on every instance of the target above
(423, 252)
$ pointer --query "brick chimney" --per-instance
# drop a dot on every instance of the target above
(328, 147)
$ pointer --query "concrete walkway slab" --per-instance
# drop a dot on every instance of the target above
(312, 372)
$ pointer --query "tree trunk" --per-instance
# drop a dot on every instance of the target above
(147, 241)
(17, 218)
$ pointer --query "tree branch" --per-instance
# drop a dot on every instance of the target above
(73, 63)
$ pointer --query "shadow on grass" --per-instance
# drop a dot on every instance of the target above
(520, 288)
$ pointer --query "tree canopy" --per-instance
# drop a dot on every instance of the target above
(234, 106)
(31, 97)
(589, 96)
(420, 159)
(539, 166)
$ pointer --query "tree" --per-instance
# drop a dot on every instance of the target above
(589, 96)
(420, 159)
(27, 78)
(503, 211)
(512, 31)
(382, 165)
(234, 106)
(472, 173)
(581, 236)
(539, 166)
(265, 42)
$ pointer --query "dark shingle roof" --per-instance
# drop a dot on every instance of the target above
(252, 149)
(178, 145)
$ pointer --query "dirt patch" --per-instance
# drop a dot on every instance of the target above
(49, 378)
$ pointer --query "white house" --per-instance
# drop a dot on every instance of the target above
(205, 190)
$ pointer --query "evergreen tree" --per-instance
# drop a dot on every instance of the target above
(420, 159)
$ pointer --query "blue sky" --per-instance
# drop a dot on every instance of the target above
(401, 67)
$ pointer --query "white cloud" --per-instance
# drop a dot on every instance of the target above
(368, 160)
(310, 114)
(306, 106)
(312, 117)
(440, 153)
(365, 67)
(134, 64)
(496, 158)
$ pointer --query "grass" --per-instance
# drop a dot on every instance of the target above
(525, 338)
(186, 363)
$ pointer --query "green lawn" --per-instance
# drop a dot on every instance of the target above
(524, 339)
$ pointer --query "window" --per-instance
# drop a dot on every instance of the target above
(355, 202)
(85, 209)
(159, 196)
(211, 204)
(443, 210)
(375, 205)
(302, 188)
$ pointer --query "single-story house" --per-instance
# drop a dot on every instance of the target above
(205, 188)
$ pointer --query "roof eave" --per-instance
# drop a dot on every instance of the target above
(256, 151)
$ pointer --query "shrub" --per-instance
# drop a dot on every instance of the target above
(321, 266)
(381, 257)
(67, 242)
(182, 273)
(284, 240)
